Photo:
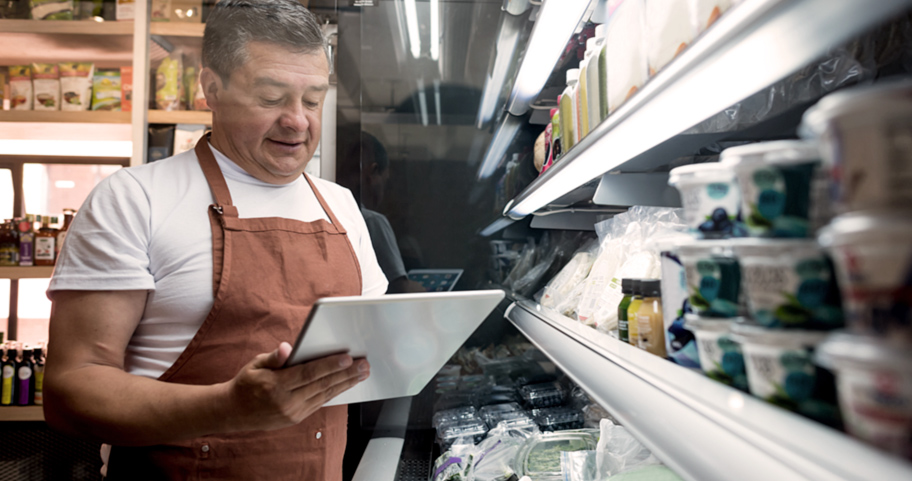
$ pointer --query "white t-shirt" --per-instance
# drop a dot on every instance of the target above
(147, 228)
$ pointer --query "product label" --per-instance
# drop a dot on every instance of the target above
(44, 248)
(778, 375)
(9, 255)
(783, 201)
(721, 358)
(711, 210)
(714, 284)
(25, 372)
(7, 389)
(790, 291)
(679, 342)
(26, 249)
(877, 407)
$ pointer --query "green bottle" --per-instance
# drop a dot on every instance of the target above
(627, 290)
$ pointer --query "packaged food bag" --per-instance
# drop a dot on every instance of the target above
(76, 85)
(106, 90)
(46, 85)
(21, 87)
(627, 67)
(126, 89)
(169, 82)
(52, 9)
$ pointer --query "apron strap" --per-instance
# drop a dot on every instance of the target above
(212, 172)
(329, 212)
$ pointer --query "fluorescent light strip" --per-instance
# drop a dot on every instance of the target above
(70, 148)
(422, 102)
(437, 101)
(435, 29)
(496, 226)
(503, 137)
(411, 19)
(556, 22)
(507, 40)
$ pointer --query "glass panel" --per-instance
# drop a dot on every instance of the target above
(34, 310)
(50, 188)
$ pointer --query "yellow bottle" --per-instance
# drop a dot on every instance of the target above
(635, 301)
(650, 327)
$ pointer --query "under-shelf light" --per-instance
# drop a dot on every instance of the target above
(503, 137)
(435, 29)
(554, 26)
(411, 20)
(422, 102)
(507, 41)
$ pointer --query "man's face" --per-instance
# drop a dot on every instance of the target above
(267, 119)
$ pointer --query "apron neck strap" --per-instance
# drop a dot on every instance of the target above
(212, 172)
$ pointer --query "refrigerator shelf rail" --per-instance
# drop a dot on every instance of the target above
(702, 429)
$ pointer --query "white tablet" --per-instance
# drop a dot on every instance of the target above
(435, 280)
(406, 338)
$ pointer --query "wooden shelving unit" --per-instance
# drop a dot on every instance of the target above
(60, 116)
(21, 413)
(71, 27)
(180, 117)
(177, 29)
(33, 272)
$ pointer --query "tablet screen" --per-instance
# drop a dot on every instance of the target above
(435, 280)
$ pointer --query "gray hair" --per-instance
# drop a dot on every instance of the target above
(233, 24)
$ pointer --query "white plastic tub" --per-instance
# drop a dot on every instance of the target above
(713, 278)
(872, 255)
(710, 197)
(788, 283)
(874, 383)
(720, 356)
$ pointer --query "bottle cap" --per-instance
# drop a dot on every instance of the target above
(591, 45)
(627, 286)
(600, 30)
(573, 75)
(651, 287)
(634, 287)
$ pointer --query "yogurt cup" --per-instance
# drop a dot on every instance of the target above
(789, 283)
(783, 187)
(720, 356)
(874, 384)
(711, 199)
(780, 370)
(713, 278)
(680, 343)
(864, 135)
(872, 254)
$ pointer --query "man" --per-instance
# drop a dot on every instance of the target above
(181, 280)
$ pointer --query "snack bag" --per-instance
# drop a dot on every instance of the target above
(106, 90)
(20, 87)
(46, 85)
(76, 85)
(52, 9)
(168, 82)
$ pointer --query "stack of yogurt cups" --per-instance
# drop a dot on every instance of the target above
(762, 292)
(865, 139)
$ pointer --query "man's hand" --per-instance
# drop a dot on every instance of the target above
(264, 395)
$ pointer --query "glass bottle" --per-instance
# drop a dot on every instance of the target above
(8, 386)
(25, 389)
(627, 290)
(38, 356)
(9, 245)
(651, 328)
(636, 298)
(45, 239)
(27, 241)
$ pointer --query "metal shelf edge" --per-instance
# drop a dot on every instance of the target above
(689, 421)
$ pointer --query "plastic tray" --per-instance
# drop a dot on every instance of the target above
(542, 395)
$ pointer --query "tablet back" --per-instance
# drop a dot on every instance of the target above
(406, 338)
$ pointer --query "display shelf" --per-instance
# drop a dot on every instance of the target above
(66, 27)
(22, 413)
(31, 272)
(180, 117)
(177, 29)
(702, 429)
(751, 47)
(59, 116)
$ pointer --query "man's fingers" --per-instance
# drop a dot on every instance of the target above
(334, 384)
(273, 360)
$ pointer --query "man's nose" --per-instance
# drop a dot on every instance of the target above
(295, 118)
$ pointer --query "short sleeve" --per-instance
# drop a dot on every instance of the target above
(106, 247)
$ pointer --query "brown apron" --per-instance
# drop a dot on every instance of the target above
(267, 274)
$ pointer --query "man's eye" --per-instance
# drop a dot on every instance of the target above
(311, 105)
(272, 101)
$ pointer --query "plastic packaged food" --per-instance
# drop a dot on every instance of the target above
(789, 283)
(542, 395)
(453, 465)
(76, 85)
(861, 131)
(569, 277)
(720, 356)
(711, 199)
(872, 255)
(680, 343)
(780, 370)
(783, 187)
(46, 84)
(511, 412)
(465, 430)
(874, 384)
(558, 418)
(705, 12)
(52, 9)
(539, 457)
(168, 82)
(496, 395)
(451, 415)
(106, 90)
(627, 67)
(21, 93)
(669, 30)
(713, 278)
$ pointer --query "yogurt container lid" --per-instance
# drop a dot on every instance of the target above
(704, 173)
(778, 152)
(861, 226)
(763, 247)
(861, 351)
(750, 333)
(718, 247)
(860, 103)
(714, 324)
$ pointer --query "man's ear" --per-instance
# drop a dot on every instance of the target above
(212, 86)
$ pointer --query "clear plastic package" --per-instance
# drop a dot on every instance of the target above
(558, 418)
(452, 415)
(467, 430)
(540, 457)
(542, 395)
(511, 413)
(496, 395)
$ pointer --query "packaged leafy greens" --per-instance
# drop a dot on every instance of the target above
(76, 85)
(106, 90)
